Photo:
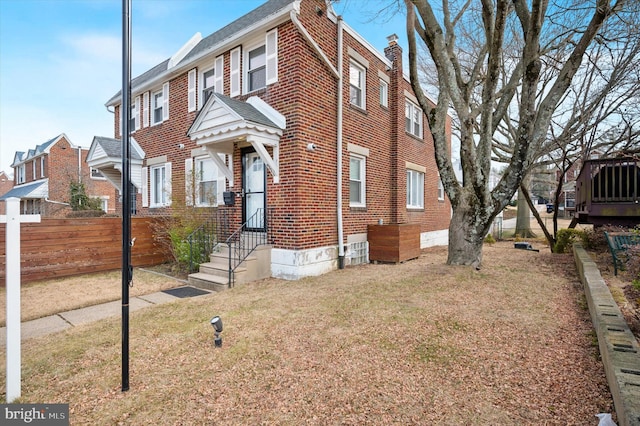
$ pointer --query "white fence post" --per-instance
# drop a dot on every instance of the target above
(12, 277)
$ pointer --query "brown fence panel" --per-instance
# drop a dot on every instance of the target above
(57, 248)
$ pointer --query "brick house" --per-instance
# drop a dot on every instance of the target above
(42, 178)
(305, 127)
(6, 184)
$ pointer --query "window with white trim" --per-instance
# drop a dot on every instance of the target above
(256, 68)
(357, 180)
(357, 79)
(21, 173)
(415, 189)
(206, 178)
(42, 166)
(384, 93)
(440, 189)
(33, 171)
(413, 119)
(208, 81)
(156, 107)
(160, 105)
(160, 185)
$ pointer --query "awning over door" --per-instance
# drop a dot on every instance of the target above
(105, 155)
(223, 121)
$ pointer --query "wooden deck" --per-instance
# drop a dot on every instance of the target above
(608, 192)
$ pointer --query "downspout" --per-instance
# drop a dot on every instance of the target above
(338, 74)
(339, 150)
(79, 164)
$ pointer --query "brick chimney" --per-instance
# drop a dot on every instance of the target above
(393, 52)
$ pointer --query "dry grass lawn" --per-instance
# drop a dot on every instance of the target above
(43, 298)
(416, 343)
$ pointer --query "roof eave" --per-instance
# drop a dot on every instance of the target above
(226, 44)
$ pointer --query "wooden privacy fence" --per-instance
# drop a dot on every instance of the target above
(62, 247)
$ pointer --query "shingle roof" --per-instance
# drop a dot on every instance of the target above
(247, 111)
(267, 9)
(34, 190)
(113, 147)
(21, 156)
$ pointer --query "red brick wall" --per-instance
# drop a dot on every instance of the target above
(305, 197)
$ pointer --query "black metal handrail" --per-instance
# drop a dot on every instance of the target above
(205, 237)
(249, 236)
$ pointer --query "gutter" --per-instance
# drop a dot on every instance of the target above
(337, 73)
(268, 22)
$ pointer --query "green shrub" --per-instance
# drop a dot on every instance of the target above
(566, 238)
(489, 239)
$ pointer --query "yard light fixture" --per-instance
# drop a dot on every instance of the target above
(216, 323)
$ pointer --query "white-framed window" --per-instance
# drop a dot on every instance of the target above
(206, 179)
(256, 75)
(384, 93)
(357, 84)
(33, 171)
(415, 189)
(160, 185)
(21, 172)
(42, 166)
(440, 189)
(208, 81)
(413, 119)
(160, 105)
(104, 202)
(357, 180)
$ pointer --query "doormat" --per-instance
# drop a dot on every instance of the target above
(186, 291)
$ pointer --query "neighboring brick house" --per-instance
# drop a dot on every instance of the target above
(42, 178)
(296, 114)
(6, 183)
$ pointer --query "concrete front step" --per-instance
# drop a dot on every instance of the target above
(208, 282)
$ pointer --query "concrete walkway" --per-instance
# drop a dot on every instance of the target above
(64, 320)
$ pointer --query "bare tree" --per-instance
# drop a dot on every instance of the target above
(473, 81)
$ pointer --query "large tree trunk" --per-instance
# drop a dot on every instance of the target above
(467, 230)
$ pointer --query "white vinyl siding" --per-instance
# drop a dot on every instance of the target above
(191, 90)
(415, 189)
